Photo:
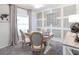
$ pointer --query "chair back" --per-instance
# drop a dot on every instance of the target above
(36, 38)
(22, 35)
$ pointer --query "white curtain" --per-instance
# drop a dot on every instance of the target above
(29, 11)
(13, 25)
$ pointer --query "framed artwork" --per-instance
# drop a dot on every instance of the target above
(4, 18)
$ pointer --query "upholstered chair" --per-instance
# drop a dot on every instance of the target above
(25, 39)
(37, 43)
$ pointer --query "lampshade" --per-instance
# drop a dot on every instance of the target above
(74, 18)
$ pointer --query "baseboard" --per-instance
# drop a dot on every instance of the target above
(3, 46)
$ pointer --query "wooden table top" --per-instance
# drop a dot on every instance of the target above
(69, 40)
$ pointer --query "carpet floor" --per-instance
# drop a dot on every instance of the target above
(56, 49)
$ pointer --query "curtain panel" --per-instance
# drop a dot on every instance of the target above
(29, 12)
(13, 25)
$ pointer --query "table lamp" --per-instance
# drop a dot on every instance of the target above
(74, 19)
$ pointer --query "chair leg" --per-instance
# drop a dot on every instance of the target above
(41, 51)
(22, 45)
(33, 52)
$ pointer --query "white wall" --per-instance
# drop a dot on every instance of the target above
(77, 7)
(4, 27)
(4, 34)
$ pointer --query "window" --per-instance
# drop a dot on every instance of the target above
(69, 10)
(39, 15)
(23, 23)
(39, 23)
(22, 20)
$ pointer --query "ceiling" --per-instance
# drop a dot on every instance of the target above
(4, 9)
(30, 6)
(25, 6)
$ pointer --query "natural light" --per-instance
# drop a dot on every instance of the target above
(74, 18)
(23, 23)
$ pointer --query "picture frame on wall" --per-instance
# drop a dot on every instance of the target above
(4, 18)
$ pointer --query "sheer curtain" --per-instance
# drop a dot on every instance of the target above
(13, 25)
(22, 23)
(29, 12)
(18, 22)
(22, 20)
